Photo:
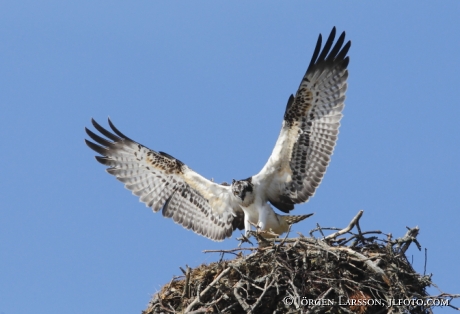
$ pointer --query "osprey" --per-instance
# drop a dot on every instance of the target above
(290, 176)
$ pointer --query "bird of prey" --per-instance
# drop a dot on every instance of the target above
(291, 175)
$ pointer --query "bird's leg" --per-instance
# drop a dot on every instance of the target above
(243, 239)
(263, 217)
(247, 225)
(247, 230)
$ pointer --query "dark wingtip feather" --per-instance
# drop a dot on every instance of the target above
(337, 53)
(345, 62)
(316, 52)
(117, 131)
(327, 45)
(102, 160)
(98, 149)
(290, 102)
(104, 132)
(341, 55)
(338, 44)
(97, 138)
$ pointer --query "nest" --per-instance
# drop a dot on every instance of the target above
(363, 272)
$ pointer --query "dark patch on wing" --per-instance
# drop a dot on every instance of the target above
(238, 220)
(171, 157)
(285, 204)
(289, 103)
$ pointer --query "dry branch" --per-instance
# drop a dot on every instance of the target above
(350, 226)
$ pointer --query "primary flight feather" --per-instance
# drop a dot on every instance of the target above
(290, 176)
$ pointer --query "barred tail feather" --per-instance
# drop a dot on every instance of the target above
(292, 219)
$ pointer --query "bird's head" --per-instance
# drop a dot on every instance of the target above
(243, 190)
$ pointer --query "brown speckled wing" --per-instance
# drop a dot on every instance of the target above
(163, 182)
(310, 127)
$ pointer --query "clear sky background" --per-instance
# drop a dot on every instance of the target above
(208, 81)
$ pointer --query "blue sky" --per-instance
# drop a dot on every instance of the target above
(207, 82)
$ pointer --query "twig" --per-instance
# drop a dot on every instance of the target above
(238, 297)
(367, 261)
(186, 291)
(232, 250)
(362, 234)
(200, 310)
(229, 307)
(197, 299)
(320, 297)
(243, 239)
(319, 229)
(208, 306)
(348, 228)
(426, 257)
(287, 234)
(267, 286)
(410, 236)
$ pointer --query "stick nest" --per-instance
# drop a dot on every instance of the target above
(363, 272)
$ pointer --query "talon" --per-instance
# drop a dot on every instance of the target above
(244, 239)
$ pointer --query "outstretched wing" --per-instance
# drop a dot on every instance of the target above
(163, 182)
(310, 128)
